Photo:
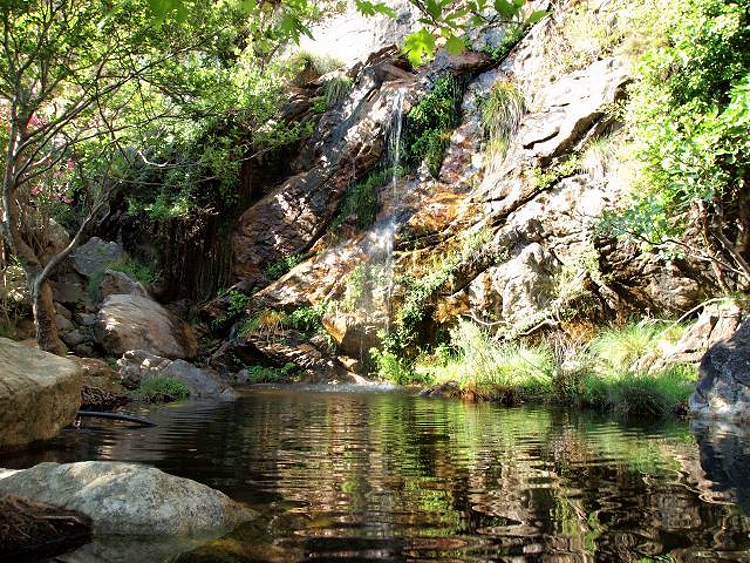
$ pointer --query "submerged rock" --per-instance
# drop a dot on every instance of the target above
(724, 387)
(125, 499)
(39, 394)
(131, 322)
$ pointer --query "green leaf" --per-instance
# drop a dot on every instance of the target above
(454, 45)
(506, 9)
(369, 9)
(434, 8)
(536, 16)
(248, 6)
(419, 46)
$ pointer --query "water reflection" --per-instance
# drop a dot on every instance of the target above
(384, 476)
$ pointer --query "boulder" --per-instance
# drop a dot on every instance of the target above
(717, 322)
(40, 394)
(94, 256)
(114, 283)
(131, 322)
(125, 499)
(138, 366)
(723, 390)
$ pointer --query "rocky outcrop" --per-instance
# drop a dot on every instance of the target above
(130, 322)
(723, 390)
(39, 394)
(124, 499)
(138, 366)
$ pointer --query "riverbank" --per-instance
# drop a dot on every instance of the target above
(621, 371)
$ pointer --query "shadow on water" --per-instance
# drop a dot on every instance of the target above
(392, 477)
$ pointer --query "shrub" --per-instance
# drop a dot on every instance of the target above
(159, 389)
(283, 266)
(263, 374)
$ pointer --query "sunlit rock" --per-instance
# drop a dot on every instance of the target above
(124, 499)
(39, 394)
(131, 322)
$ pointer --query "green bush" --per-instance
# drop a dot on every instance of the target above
(263, 374)
(430, 122)
(688, 116)
(156, 389)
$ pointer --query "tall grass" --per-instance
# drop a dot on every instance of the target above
(603, 374)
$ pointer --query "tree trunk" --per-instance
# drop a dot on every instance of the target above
(45, 318)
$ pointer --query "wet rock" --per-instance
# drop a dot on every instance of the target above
(138, 366)
(130, 322)
(94, 256)
(124, 499)
(99, 374)
(723, 390)
(39, 394)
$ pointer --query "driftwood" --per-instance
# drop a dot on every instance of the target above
(116, 416)
(30, 531)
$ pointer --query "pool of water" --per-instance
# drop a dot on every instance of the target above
(387, 476)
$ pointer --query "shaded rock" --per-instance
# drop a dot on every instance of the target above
(138, 366)
(63, 324)
(102, 382)
(70, 289)
(130, 322)
(717, 322)
(114, 282)
(73, 338)
(96, 399)
(723, 390)
(124, 499)
(39, 394)
(94, 256)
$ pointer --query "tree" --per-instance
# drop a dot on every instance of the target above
(79, 81)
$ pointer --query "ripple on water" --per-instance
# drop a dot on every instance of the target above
(375, 475)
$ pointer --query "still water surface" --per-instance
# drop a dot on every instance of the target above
(386, 476)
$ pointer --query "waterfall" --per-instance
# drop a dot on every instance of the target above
(394, 151)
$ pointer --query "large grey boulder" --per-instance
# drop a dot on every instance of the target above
(40, 394)
(125, 499)
(132, 322)
(723, 390)
(94, 256)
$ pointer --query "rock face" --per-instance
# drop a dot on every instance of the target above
(724, 387)
(130, 322)
(40, 394)
(138, 366)
(124, 499)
